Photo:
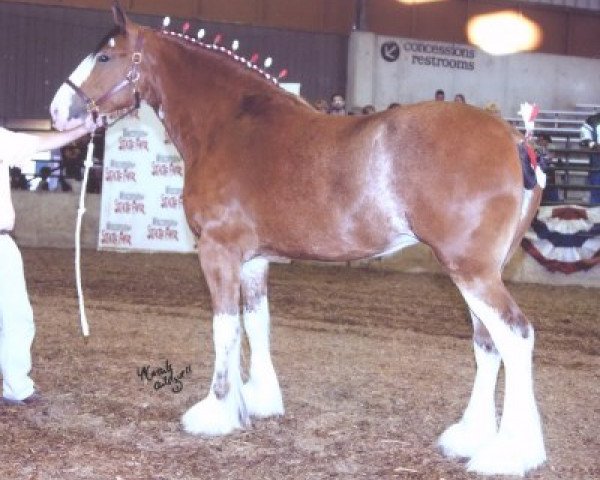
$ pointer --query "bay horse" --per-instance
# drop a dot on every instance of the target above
(268, 178)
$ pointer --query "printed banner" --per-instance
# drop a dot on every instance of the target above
(142, 188)
(565, 239)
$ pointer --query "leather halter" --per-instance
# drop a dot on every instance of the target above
(131, 79)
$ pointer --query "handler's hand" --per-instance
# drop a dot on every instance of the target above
(92, 126)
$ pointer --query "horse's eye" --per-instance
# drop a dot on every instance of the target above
(103, 58)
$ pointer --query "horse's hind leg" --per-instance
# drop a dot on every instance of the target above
(519, 445)
(223, 409)
(261, 392)
(478, 424)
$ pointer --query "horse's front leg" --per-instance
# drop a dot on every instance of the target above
(261, 392)
(223, 410)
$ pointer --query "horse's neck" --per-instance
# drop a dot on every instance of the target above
(197, 90)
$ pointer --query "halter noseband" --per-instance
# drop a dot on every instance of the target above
(131, 79)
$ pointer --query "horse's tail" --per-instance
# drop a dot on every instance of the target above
(529, 205)
(530, 197)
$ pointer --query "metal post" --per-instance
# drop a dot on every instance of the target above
(360, 15)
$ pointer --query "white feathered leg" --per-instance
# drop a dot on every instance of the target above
(478, 424)
(261, 392)
(519, 445)
(223, 410)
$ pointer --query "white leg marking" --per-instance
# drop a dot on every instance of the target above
(261, 393)
(527, 196)
(519, 444)
(223, 410)
(478, 424)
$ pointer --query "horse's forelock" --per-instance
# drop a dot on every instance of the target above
(115, 31)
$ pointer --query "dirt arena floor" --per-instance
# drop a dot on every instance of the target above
(373, 365)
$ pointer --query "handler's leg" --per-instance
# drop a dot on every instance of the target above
(261, 392)
(16, 323)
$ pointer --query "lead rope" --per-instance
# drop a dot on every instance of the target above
(85, 328)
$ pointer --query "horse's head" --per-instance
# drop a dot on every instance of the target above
(106, 80)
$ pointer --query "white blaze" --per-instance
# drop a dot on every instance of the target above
(63, 99)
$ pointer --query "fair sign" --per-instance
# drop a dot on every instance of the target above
(142, 189)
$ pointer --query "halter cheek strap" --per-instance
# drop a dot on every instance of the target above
(131, 79)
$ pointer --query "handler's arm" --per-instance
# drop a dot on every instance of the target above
(52, 140)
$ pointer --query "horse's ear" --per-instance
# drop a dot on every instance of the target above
(119, 15)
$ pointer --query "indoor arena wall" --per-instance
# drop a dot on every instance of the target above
(421, 67)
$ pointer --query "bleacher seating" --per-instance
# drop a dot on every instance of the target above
(562, 125)
(588, 107)
(570, 163)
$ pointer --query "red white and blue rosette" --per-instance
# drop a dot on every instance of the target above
(565, 239)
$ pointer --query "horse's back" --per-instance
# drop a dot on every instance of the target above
(424, 141)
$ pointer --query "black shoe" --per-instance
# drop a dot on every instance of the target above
(32, 400)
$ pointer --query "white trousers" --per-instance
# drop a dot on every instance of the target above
(16, 323)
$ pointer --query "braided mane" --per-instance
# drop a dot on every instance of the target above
(225, 51)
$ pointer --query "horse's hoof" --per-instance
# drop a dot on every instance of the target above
(263, 399)
(464, 439)
(508, 455)
(213, 417)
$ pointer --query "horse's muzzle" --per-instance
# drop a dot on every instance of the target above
(78, 109)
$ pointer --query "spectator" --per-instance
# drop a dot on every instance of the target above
(337, 106)
(95, 180)
(542, 148)
(543, 143)
(440, 95)
(17, 179)
(73, 156)
(368, 110)
(459, 98)
(321, 105)
(16, 317)
(493, 109)
(590, 136)
(64, 185)
(44, 186)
